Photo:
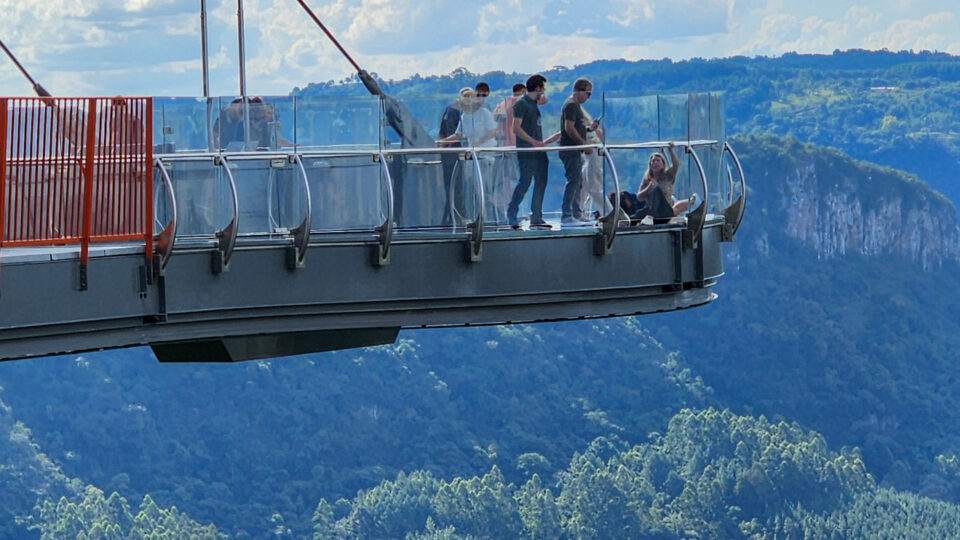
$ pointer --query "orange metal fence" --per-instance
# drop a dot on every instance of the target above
(76, 171)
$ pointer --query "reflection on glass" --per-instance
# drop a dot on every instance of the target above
(631, 119)
(183, 124)
(345, 192)
(335, 123)
(202, 195)
(269, 195)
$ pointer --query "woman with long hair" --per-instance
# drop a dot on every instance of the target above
(658, 176)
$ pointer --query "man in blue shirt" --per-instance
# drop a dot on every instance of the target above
(533, 165)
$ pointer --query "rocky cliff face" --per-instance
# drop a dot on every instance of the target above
(838, 206)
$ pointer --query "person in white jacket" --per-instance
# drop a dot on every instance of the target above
(591, 191)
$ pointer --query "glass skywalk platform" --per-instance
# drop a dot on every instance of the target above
(307, 225)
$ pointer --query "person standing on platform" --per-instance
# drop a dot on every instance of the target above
(533, 165)
(592, 189)
(503, 114)
(573, 132)
(449, 122)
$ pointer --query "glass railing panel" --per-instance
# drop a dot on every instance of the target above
(500, 173)
(717, 133)
(537, 202)
(346, 192)
(253, 124)
(270, 195)
(630, 119)
(703, 126)
(202, 194)
(433, 191)
(503, 116)
(674, 117)
(335, 122)
(427, 111)
(731, 180)
(631, 165)
(272, 123)
(184, 124)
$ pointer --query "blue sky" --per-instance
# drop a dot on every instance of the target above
(152, 47)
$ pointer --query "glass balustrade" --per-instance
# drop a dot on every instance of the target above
(436, 188)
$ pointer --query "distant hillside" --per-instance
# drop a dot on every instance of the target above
(896, 109)
(827, 316)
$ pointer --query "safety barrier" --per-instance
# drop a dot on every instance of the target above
(76, 171)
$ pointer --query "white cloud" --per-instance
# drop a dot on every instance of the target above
(932, 32)
(152, 46)
(862, 18)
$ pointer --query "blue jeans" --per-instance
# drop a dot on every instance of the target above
(532, 166)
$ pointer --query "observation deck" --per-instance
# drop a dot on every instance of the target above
(224, 230)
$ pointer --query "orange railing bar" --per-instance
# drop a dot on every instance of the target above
(88, 181)
(3, 167)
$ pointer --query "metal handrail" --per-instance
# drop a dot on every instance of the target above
(168, 236)
(255, 155)
(227, 237)
(699, 215)
(476, 236)
(386, 229)
(609, 227)
(540, 149)
(301, 235)
(743, 188)
(650, 145)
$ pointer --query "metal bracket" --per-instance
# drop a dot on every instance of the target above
(696, 218)
(727, 232)
(226, 237)
(475, 245)
(301, 235)
(678, 260)
(733, 214)
(381, 253)
(143, 274)
(608, 223)
(168, 236)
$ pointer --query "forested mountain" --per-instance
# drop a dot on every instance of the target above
(817, 396)
(710, 475)
(840, 329)
(896, 109)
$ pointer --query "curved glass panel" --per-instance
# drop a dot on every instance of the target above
(345, 192)
(203, 197)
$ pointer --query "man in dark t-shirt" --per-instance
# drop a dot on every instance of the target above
(533, 165)
(573, 132)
